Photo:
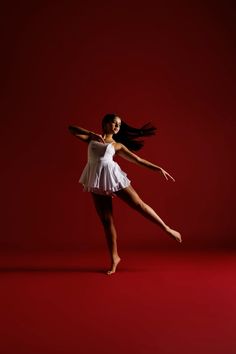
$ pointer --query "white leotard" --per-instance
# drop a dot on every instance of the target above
(101, 174)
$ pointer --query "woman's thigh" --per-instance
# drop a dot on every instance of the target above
(130, 196)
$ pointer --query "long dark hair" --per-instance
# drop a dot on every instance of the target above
(127, 134)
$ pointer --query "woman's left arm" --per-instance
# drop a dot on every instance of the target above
(124, 152)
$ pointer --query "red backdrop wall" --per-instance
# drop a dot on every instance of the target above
(171, 63)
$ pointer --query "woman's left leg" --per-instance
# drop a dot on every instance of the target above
(130, 196)
(103, 205)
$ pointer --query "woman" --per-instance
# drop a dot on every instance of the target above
(104, 179)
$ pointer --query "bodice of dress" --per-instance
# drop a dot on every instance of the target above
(100, 152)
(101, 174)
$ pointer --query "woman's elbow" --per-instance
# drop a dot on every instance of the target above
(138, 160)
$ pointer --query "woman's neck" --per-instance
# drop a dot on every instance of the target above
(108, 138)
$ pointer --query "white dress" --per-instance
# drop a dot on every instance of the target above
(101, 174)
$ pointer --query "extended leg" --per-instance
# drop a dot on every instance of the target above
(132, 199)
(103, 205)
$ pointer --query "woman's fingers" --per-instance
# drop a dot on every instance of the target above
(166, 175)
(98, 138)
(171, 177)
(101, 139)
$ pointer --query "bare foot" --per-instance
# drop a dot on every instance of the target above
(114, 265)
(175, 234)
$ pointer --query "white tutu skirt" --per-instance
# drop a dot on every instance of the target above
(103, 177)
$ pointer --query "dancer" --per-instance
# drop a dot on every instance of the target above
(104, 178)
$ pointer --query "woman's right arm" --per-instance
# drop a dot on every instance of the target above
(80, 133)
(84, 134)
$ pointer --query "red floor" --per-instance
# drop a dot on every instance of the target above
(158, 302)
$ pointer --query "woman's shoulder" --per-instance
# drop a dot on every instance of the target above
(118, 146)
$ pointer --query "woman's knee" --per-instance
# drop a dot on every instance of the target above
(141, 206)
(131, 197)
(107, 220)
(137, 204)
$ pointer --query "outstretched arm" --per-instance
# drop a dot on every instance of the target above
(84, 134)
(124, 152)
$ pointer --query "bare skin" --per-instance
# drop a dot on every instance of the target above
(103, 203)
(130, 196)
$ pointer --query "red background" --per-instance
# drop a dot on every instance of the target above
(171, 63)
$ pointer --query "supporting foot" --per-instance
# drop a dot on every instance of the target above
(115, 263)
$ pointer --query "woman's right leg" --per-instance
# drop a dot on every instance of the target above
(130, 196)
(103, 205)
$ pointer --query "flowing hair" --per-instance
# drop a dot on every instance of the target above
(128, 135)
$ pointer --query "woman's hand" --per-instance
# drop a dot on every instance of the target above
(124, 152)
(96, 137)
(166, 174)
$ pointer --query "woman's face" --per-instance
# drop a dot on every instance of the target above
(113, 126)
